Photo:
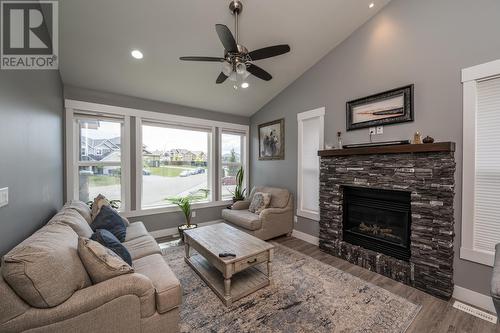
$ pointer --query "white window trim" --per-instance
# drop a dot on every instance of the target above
(72, 159)
(470, 77)
(95, 108)
(316, 113)
(244, 159)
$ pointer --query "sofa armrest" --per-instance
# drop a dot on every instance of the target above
(273, 211)
(241, 205)
(90, 298)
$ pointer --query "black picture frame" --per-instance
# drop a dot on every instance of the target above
(267, 153)
(404, 113)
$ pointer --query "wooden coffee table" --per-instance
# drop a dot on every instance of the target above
(239, 275)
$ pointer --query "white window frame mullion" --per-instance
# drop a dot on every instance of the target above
(138, 163)
(470, 77)
(125, 164)
(316, 113)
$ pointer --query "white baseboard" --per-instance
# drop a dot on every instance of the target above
(305, 237)
(174, 231)
(474, 298)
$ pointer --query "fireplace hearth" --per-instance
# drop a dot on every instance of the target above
(378, 220)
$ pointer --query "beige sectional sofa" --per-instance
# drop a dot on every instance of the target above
(44, 286)
(274, 221)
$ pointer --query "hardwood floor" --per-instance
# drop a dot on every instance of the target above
(435, 316)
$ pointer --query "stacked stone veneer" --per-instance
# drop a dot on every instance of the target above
(430, 179)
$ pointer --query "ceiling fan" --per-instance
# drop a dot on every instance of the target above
(237, 62)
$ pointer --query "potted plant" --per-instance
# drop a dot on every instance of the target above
(239, 191)
(184, 203)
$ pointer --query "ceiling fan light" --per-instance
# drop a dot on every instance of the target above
(244, 85)
(227, 68)
(241, 68)
(233, 76)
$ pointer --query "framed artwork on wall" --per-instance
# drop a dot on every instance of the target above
(389, 107)
(272, 140)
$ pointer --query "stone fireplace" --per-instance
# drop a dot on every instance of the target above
(390, 209)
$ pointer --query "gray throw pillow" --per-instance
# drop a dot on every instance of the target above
(260, 201)
(100, 262)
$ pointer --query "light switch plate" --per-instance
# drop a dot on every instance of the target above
(4, 197)
(193, 213)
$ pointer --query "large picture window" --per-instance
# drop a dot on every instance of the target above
(232, 156)
(175, 163)
(99, 162)
(148, 159)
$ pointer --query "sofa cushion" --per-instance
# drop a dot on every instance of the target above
(107, 239)
(73, 219)
(167, 287)
(279, 196)
(100, 262)
(142, 246)
(242, 218)
(81, 207)
(260, 201)
(109, 219)
(136, 229)
(45, 269)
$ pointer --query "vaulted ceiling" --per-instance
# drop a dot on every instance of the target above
(97, 36)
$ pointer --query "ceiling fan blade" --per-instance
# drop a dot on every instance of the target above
(259, 72)
(268, 52)
(210, 59)
(221, 78)
(226, 37)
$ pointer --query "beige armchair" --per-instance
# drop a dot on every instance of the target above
(274, 221)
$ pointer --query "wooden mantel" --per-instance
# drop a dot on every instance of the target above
(395, 149)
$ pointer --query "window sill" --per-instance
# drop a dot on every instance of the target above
(170, 209)
(480, 257)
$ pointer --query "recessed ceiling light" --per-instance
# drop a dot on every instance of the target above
(371, 5)
(244, 85)
(137, 54)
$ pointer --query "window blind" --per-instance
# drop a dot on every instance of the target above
(487, 166)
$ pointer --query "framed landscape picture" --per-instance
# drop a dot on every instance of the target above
(390, 107)
(272, 140)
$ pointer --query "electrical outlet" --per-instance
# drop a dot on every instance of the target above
(4, 197)
(373, 130)
(193, 213)
(380, 129)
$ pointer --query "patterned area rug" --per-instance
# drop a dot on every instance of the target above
(306, 295)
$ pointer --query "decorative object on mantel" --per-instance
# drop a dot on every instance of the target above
(428, 139)
(389, 107)
(377, 144)
(272, 140)
(339, 140)
(417, 138)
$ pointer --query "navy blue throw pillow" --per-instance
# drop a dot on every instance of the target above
(107, 239)
(109, 219)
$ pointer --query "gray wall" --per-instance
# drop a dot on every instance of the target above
(164, 220)
(31, 148)
(425, 42)
(94, 96)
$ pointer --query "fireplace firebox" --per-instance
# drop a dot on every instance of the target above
(378, 220)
